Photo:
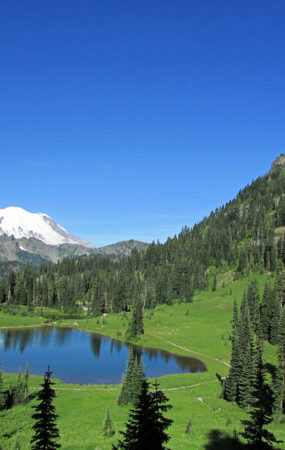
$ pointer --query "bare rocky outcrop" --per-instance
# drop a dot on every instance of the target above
(280, 161)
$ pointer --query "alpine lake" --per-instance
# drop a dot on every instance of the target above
(81, 357)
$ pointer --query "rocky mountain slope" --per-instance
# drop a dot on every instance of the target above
(20, 223)
(29, 238)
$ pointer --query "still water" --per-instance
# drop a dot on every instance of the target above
(81, 357)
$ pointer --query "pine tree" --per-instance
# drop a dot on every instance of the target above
(279, 384)
(18, 390)
(46, 432)
(136, 326)
(146, 426)
(131, 385)
(244, 328)
(26, 381)
(138, 377)
(231, 383)
(260, 414)
(126, 389)
(253, 301)
(108, 429)
(235, 315)
(266, 310)
(214, 285)
(275, 321)
(188, 428)
(2, 398)
(230, 390)
(244, 382)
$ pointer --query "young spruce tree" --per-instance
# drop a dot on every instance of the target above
(257, 435)
(147, 425)
(108, 429)
(46, 432)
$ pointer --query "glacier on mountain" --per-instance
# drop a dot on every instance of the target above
(21, 223)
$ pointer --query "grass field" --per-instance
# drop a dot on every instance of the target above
(203, 326)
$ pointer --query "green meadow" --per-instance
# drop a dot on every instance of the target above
(203, 327)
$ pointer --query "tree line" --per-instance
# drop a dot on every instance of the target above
(241, 235)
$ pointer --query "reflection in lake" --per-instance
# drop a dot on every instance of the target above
(81, 357)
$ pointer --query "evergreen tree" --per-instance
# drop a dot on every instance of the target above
(136, 326)
(231, 383)
(108, 429)
(243, 260)
(138, 377)
(266, 310)
(26, 381)
(146, 426)
(188, 428)
(235, 315)
(244, 328)
(18, 390)
(126, 389)
(244, 381)
(279, 384)
(214, 285)
(260, 414)
(2, 398)
(253, 301)
(131, 385)
(275, 322)
(46, 432)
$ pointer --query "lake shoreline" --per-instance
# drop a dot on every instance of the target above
(158, 361)
(77, 327)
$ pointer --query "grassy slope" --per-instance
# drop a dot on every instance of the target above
(203, 326)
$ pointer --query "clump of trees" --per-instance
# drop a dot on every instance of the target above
(246, 383)
(132, 382)
(17, 393)
(240, 235)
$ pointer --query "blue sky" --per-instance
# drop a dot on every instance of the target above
(129, 119)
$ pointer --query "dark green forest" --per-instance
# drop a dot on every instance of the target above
(244, 235)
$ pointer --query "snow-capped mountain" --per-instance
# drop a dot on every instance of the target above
(23, 224)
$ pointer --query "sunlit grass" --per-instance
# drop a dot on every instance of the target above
(203, 326)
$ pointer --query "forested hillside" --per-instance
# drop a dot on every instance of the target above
(243, 235)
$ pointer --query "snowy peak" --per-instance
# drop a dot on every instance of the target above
(23, 224)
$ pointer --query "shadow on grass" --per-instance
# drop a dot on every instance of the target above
(223, 441)
(218, 440)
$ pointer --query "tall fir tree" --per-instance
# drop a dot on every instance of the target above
(253, 301)
(136, 326)
(18, 390)
(257, 436)
(46, 431)
(244, 381)
(279, 384)
(266, 310)
(132, 382)
(126, 389)
(2, 397)
(146, 427)
(138, 377)
(231, 383)
(214, 285)
(26, 381)
(235, 319)
(275, 320)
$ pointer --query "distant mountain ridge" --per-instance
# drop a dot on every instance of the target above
(18, 222)
(35, 238)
